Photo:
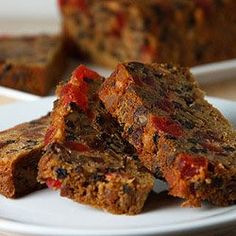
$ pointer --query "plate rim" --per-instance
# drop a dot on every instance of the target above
(203, 223)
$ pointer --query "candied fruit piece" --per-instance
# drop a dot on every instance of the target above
(190, 165)
(168, 126)
(53, 183)
(77, 146)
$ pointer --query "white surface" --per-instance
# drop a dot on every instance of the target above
(210, 73)
(19, 17)
(45, 213)
(33, 9)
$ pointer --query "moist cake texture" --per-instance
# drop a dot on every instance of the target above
(177, 133)
(20, 150)
(86, 158)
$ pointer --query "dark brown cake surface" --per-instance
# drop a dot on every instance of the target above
(177, 133)
(86, 158)
(20, 150)
(31, 63)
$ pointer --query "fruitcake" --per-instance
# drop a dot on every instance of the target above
(20, 150)
(177, 133)
(151, 31)
(32, 64)
(86, 158)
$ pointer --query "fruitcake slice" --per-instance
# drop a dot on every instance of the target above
(177, 133)
(32, 64)
(20, 150)
(86, 158)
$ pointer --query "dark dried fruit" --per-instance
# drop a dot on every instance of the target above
(189, 101)
(61, 173)
(70, 124)
(198, 150)
(100, 120)
(127, 189)
(193, 140)
(168, 136)
(177, 105)
(79, 169)
(88, 80)
(97, 177)
(229, 149)
(217, 182)
(156, 138)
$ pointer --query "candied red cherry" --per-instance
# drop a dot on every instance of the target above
(190, 165)
(53, 183)
(168, 126)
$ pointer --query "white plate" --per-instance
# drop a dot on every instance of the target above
(45, 213)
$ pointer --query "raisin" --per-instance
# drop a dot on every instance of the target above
(229, 149)
(79, 169)
(129, 149)
(168, 136)
(187, 124)
(100, 120)
(157, 173)
(61, 173)
(192, 188)
(127, 189)
(189, 101)
(32, 142)
(198, 150)
(7, 67)
(88, 80)
(155, 138)
(211, 167)
(177, 105)
(70, 137)
(70, 124)
(97, 177)
(193, 140)
(112, 169)
(217, 182)
(130, 130)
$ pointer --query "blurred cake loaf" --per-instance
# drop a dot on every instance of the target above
(32, 64)
(176, 31)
